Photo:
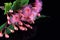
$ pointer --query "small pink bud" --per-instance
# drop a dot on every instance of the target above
(28, 26)
(15, 28)
(10, 10)
(9, 22)
(8, 17)
(23, 28)
(38, 15)
(1, 35)
(6, 35)
(12, 31)
(20, 23)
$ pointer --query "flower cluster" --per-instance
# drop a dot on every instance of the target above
(19, 17)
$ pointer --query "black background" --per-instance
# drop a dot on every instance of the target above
(44, 26)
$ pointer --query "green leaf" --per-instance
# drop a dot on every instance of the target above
(42, 16)
(7, 7)
(19, 3)
(11, 27)
(2, 26)
(8, 31)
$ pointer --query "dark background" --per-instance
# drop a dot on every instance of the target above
(43, 28)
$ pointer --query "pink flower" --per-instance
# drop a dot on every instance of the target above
(15, 18)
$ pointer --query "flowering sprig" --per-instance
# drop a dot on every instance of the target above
(20, 15)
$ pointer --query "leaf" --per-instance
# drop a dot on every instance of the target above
(11, 27)
(2, 26)
(7, 7)
(24, 2)
(42, 16)
(19, 3)
(8, 31)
